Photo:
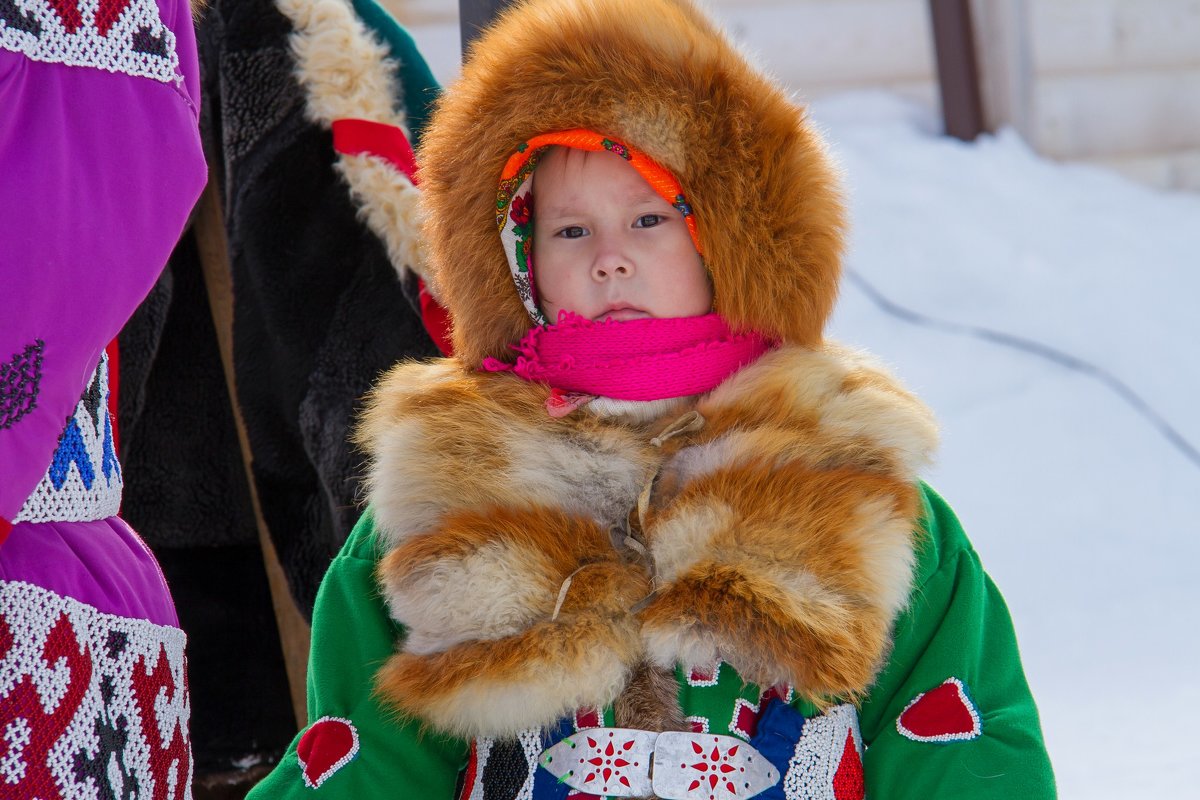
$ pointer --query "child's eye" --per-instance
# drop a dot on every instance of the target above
(648, 220)
(571, 232)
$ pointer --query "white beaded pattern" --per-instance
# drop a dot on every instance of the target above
(819, 753)
(114, 649)
(82, 43)
(83, 482)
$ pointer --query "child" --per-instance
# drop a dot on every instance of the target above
(647, 533)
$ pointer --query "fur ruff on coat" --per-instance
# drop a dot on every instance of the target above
(778, 536)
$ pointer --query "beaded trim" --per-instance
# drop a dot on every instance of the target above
(83, 482)
(699, 724)
(827, 763)
(948, 708)
(21, 377)
(585, 718)
(329, 744)
(91, 704)
(784, 691)
(745, 719)
(531, 744)
(707, 676)
(125, 36)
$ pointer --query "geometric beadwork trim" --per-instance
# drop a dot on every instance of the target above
(827, 763)
(91, 704)
(125, 36)
(784, 691)
(21, 376)
(585, 718)
(505, 762)
(704, 676)
(943, 714)
(329, 744)
(83, 482)
(744, 722)
(745, 719)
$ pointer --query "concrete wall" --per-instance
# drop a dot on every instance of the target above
(817, 47)
(1114, 82)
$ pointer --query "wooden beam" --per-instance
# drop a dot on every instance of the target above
(958, 71)
(474, 16)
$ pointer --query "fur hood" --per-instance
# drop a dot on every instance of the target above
(657, 75)
(539, 564)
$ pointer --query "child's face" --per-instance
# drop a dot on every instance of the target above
(605, 245)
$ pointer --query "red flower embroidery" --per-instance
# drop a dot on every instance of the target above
(522, 209)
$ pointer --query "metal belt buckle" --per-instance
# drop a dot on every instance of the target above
(626, 762)
(604, 761)
(705, 766)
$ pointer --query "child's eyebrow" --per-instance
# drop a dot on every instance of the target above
(554, 212)
(643, 196)
(634, 197)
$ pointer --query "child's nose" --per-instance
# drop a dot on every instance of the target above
(612, 264)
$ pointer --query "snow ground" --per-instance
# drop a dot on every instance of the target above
(1083, 511)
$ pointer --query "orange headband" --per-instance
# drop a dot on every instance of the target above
(659, 178)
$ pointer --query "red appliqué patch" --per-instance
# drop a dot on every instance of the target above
(329, 744)
(944, 714)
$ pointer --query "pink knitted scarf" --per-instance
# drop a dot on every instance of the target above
(641, 359)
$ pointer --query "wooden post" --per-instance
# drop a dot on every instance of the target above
(474, 16)
(958, 72)
(294, 632)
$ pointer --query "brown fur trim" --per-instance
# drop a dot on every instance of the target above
(797, 580)
(781, 533)
(441, 438)
(491, 573)
(658, 75)
(650, 701)
(508, 662)
(829, 407)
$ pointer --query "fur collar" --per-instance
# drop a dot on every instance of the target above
(347, 72)
(778, 536)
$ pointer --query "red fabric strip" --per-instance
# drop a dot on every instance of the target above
(437, 321)
(354, 137)
(114, 385)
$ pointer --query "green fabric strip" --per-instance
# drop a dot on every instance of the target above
(420, 88)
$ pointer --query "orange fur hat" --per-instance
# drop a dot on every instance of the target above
(660, 76)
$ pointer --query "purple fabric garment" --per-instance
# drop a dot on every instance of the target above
(100, 171)
(102, 563)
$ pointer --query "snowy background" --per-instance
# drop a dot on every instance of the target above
(1047, 314)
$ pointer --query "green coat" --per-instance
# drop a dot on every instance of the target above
(956, 626)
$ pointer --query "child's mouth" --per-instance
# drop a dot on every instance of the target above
(622, 314)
